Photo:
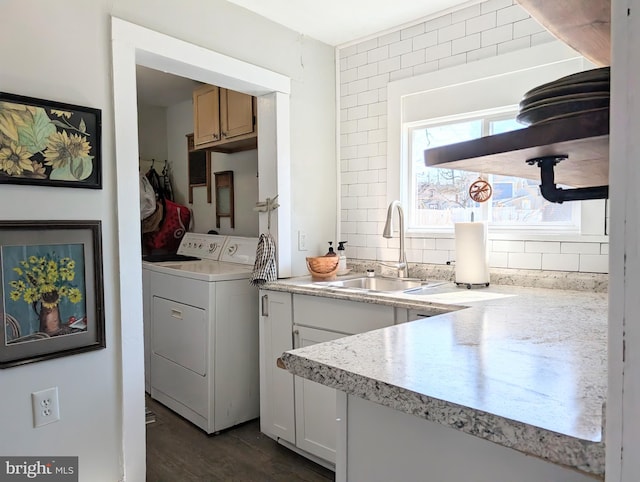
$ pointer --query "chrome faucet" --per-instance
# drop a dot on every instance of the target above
(403, 270)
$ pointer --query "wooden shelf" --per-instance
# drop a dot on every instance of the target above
(584, 25)
(583, 138)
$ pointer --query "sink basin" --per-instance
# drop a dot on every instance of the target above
(388, 285)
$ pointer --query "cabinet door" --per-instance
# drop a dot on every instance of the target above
(236, 114)
(277, 413)
(316, 427)
(206, 115)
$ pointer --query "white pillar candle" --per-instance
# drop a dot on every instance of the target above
(472, 261)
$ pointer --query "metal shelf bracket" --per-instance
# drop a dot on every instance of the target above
(555, 194)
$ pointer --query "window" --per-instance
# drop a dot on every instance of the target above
(438, 197)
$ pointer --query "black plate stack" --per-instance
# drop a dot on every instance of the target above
(568, 96)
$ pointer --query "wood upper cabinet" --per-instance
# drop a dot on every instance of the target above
(223, 120)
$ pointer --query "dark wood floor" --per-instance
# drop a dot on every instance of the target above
(177, 451)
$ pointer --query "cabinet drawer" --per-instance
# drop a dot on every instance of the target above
(349, 317)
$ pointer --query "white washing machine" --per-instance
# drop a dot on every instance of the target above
(202, 337)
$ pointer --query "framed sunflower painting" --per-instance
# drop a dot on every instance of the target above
(49, 143)
(51, 291)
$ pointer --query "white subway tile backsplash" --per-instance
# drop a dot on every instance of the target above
(499, 260)
(348, 76)
(439, 51)
(481, 23)
(435, 256)
(349, 177)
(356, 138)
(541, 247)
(492, 5)
(465, 13)
(367, 124)
(365, 177)
(368, 97)
(377, 135)
(525, 260)
(448, 244)
(594, 263)
(380, 81)
(358, 112)
(476, 32)
(412, 31)
(390, 65)
(348, 152)
(358, 163)
(357, 190)
(378, 54)
(560, 262)
(450, 32)
(512, 45)
(580, 248)
(389, 38)
(399, 48)
(357, 86)
(526, 27)
(366, 227)
(412, 58)
(425, 40)
(465, 44)
(367, 45)
(511, 14)
(437, 23)
(378, 162)
(347, 127)
(368, 70)
(507, 246)
(497, 35)
(356, 60)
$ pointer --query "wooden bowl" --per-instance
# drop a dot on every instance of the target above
(323, 268)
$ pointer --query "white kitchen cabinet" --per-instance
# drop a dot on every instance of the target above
(315, 403)
(146, 325)
(277, 413)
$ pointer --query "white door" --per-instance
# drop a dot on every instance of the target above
(316, 427)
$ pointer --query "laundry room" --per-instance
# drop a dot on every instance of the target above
(215, 180)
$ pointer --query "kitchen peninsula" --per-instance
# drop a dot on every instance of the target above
(510, 383)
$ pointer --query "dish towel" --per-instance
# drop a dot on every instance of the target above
(264, 269)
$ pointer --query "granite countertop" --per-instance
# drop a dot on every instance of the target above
(522, 367)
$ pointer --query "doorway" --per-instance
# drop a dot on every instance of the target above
(134, 45)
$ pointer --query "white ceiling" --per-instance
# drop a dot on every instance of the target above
(336, 22)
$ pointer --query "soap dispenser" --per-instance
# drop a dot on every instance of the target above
(342, 262)
(331, 252)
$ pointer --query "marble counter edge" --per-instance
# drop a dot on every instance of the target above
(391, 299)
(583, 455)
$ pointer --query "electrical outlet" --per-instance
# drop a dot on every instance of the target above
(45, 407)
(302, 240)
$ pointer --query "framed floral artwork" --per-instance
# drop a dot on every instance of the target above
(49, 143)
(51, 297)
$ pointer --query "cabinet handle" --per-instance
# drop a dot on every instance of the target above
(265, 305)
(176, 314)
(224, 134)
(296, 339)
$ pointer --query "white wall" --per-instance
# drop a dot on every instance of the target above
(64, 54)
(152, 136)
(480, 31)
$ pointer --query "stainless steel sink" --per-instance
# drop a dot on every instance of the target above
(387, 285)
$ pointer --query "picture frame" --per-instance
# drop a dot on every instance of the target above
(51, 296)
(49, 143)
